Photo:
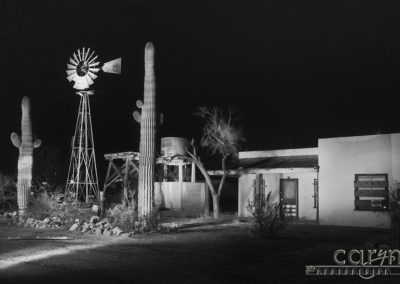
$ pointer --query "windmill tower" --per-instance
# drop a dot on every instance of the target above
(82, 174)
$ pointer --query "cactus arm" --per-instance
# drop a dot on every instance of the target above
(37, 143)
(16, 139)
(139, 103)
(137, 116)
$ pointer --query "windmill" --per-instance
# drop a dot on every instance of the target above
(82, 69)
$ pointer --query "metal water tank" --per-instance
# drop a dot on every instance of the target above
(171, 146)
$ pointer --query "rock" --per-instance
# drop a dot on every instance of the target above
(127, 235)
(117, 231)
(42, 225)
(94, 219)
(98, 231)
(30, 221)
(56, 219)
(85, 229)
(74, 227)
(107, 233)
(95, 208)
(77, 221)
(46, 221)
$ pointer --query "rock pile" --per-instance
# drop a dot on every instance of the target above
(54, 222)
(98, 227)
(12, 218)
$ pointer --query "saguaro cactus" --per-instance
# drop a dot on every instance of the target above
(25, 143)
(147, 148)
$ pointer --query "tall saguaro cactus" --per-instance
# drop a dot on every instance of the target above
(25, 143)
(147, 148)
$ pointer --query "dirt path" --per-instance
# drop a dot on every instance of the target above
(211, 254)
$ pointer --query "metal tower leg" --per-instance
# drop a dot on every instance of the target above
(82, 174)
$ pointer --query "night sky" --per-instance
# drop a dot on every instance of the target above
(295, 71)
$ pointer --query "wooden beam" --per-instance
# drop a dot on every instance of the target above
(371, 193)
(368, 184)
(239, 172)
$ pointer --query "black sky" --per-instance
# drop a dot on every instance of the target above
(295, 71)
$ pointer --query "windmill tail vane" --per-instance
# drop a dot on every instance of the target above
(83, 66)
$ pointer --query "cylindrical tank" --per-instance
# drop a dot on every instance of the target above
(171, 146)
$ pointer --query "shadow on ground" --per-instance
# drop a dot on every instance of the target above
(225, 253)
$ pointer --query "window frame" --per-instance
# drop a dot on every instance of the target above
(369, 191)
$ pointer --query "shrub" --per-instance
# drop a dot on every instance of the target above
(126, 218)
(8, 193)
(55, 204)
(267, 219)
(123, 217)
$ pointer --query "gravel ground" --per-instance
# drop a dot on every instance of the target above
(226, 253)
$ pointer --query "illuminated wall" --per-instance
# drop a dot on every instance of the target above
(187, 197)
(272, 181)
(339, 160)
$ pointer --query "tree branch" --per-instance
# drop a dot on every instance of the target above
(224, 175)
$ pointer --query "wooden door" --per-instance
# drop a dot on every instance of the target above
(289, 197)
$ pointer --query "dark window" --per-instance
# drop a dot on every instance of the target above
(371, 192)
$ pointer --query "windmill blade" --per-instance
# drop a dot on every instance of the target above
(69, 66)
(87, 52)
(79, 55)
(72, 77)
(93, 59)
(94, 64)
(90, 56)
(83, 54)
(89, 80)
(92, 75)
(69, 72)
(95, 70)
(73, 61)
(113, 66)
(76, 58)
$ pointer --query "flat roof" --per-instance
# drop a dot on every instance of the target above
(281, 162)
(278, 153)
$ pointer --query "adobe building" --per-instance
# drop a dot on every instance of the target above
(345, 181)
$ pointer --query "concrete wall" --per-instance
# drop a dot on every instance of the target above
(187, 197)
(272, 181)
(339, 160)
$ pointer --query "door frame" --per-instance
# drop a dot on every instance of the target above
(297, 193)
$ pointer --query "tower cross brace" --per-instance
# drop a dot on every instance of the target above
(82, 174)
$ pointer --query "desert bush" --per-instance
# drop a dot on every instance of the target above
(123, 217)
(56, 204)
(267, 219)
(126, 218)
(8, 193)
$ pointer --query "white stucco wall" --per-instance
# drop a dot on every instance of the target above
(396, 156)
(187, 197)
(272, 181)
(339, 160)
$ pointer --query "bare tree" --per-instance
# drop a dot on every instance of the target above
(219, 137)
